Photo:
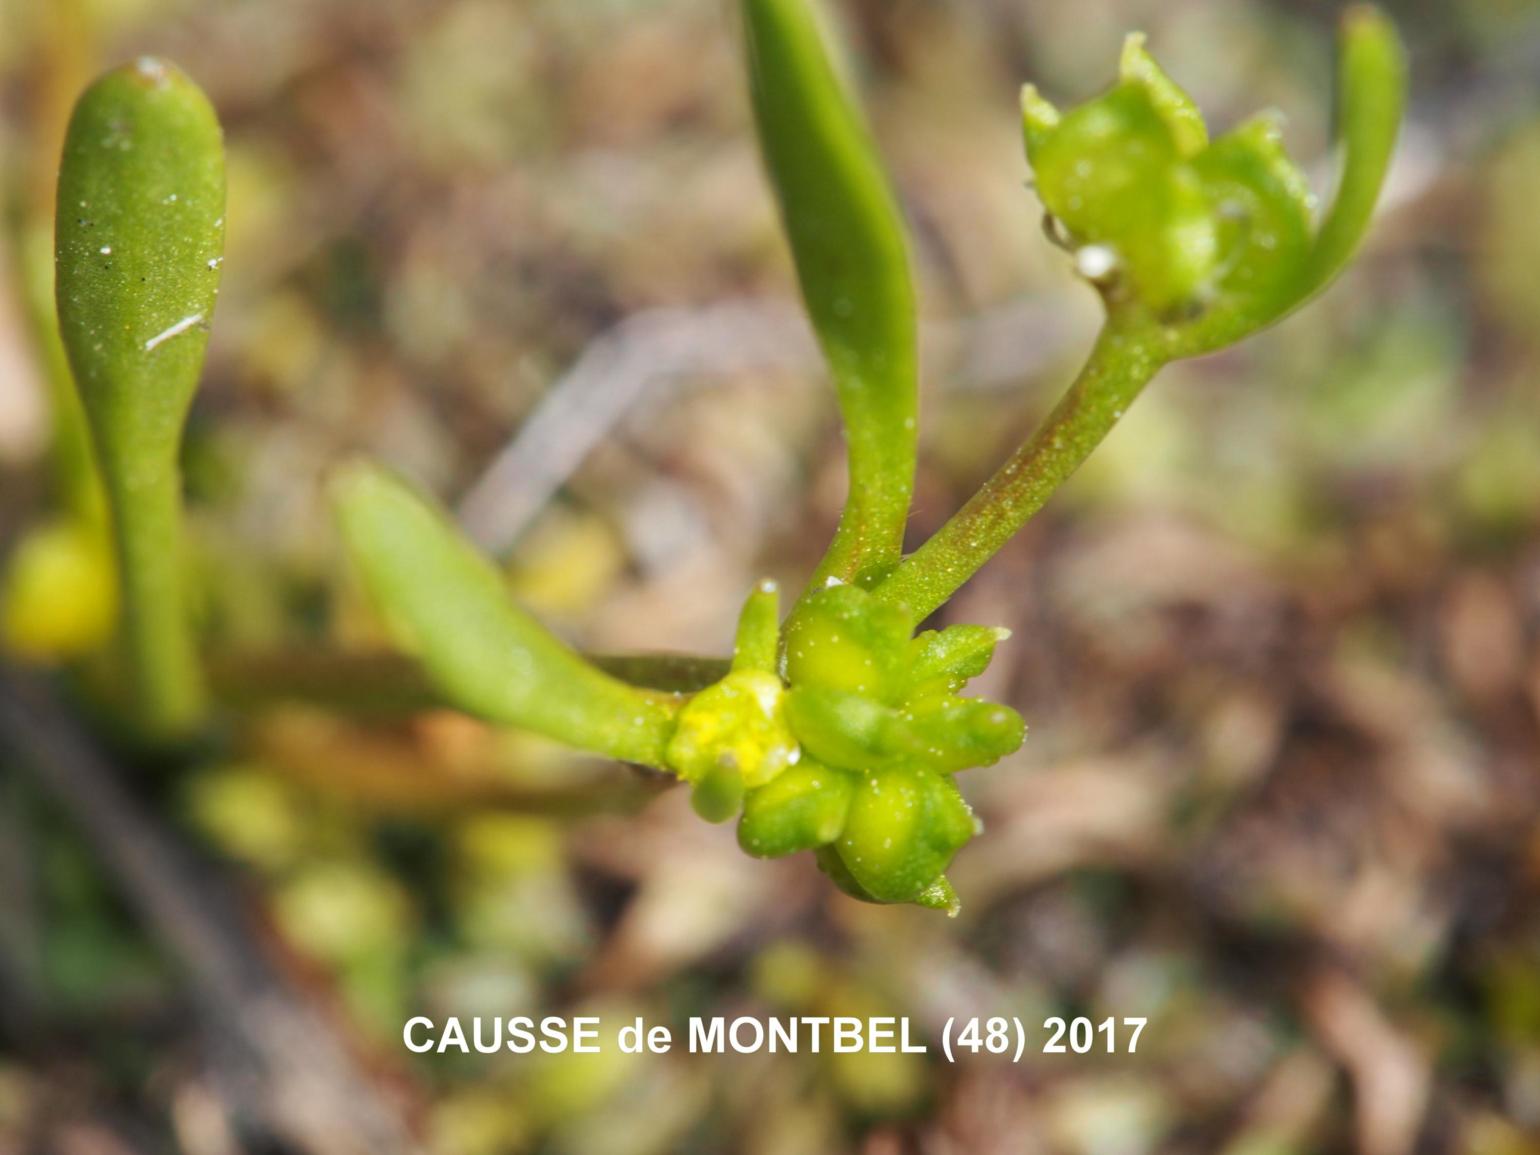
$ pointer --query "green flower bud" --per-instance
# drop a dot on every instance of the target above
(803, 808)
(904, 826)
(953, 656)
(1114, 174)
(1211, 240)
(950, 733)
(841, 638)
(844, 729)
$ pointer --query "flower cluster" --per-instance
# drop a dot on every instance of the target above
(1150, 204)
(843, 738)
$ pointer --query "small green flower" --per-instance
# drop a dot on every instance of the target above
(1213, 239)
(851, 756)
(1117, 175)
(733, 736)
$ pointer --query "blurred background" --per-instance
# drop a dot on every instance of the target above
(1278, 645)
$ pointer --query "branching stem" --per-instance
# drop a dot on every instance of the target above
(1126, 356)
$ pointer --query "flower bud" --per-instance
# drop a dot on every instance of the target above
(903, 828)
(801, 809)
(1212, 240)
(842, 639)
(1115, 173)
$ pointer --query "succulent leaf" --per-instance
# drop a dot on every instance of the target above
(448, 604)
(139, 241)
(847, 239)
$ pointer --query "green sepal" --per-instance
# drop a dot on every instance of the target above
(939, 895)
(949, 734)
(801, 809)
(904, 827)
(952, 657)
(1179, 112)
(1262, 203)
(758, 638)
(845, 729)
(841, 638)
(834, 868)
(940, 732)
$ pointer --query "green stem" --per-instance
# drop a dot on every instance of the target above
(1126, 356)
(147, 531)
(391, 685)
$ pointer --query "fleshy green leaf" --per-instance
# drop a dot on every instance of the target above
(140, 237)
(1371, 100)
(847, 239)
(448, 605)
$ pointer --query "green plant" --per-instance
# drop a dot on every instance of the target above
(839, 730)
(140, 238)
